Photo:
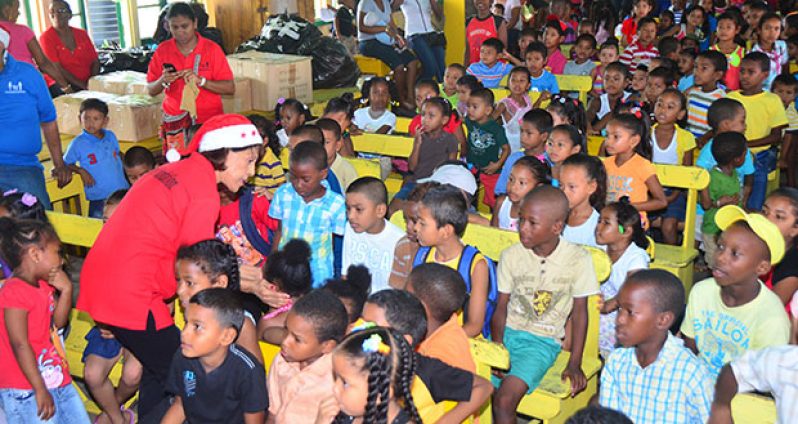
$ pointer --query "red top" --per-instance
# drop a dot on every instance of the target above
(230, 231)
(629, 29)
(77, 62)
(213, 66)
(130, 271)
(477, 31)
(450, 127)
(39, 303)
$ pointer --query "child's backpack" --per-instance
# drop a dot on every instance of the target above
(464, 268)
(259, 242)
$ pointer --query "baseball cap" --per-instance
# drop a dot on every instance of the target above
(762, 227)
(455, 175)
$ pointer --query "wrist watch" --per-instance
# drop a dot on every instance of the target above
(202, 82)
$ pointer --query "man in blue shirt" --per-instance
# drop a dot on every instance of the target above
(26, 111)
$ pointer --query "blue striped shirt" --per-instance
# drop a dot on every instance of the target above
(676, 388)
(489, 76)
(314, 222)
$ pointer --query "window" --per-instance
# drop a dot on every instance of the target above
(148, 11)
(78, 14)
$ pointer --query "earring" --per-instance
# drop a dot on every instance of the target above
(621, 229)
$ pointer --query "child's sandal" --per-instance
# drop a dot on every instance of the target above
(130, 414)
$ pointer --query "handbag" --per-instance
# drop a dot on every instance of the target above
(435, 39)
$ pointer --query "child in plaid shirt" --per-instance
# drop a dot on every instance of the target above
(307, 209)
(653, 377)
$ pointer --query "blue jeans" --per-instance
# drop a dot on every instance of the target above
(433, 60)
(20, 406)
(28, 179)
(764, 164)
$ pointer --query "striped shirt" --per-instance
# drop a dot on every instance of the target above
(315, 222)
(676, 388)
(792, 118)
(773, 370)
(270, 173)
(635, 54)
(698, 103)
(489, 76)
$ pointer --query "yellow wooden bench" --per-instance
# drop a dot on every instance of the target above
(679, 259)
(578, 83)
(67, 198)
(372, 66)
(594, 144)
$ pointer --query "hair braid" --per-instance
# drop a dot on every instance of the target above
(404, 379)
(233, 273)
(379, 385)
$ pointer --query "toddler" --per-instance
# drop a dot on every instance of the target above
(96, 149)
(584, 182)
(351, 291)
(466, 85)
(535, 128)
(541, 80)
(487, 142)
(512, 108)
(608, 53)
(453, 73)
(582, 64)
(527, 173)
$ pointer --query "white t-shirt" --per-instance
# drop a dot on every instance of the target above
(584, 234)
(375, 251)
(365, 122)
(509, 5)
(633, 258)
(283, 137)
(417, 15)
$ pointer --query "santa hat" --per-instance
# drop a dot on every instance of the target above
(5, 38)
(229, 131)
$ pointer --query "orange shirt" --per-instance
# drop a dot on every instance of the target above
(449, 343)
(629, 180)
(295, 395)
(212, 65)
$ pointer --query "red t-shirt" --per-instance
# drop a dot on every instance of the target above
(629, 29)
(77, 62)
(213, 66)
(477, 31)
(230, 231)
(451, 127)
(39, 303)
(130, 271)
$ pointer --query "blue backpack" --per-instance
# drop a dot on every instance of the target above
(464, 268)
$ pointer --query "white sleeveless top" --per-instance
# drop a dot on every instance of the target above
(512, 128)
(506, 222)
(605, 104)
(669, 156)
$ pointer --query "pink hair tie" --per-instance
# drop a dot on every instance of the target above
(29, 200)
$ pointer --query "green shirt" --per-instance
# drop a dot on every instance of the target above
(720, 184)
(484, 142)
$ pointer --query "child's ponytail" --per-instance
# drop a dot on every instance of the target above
(573, 109)
(289, 268)
(629, 218)
(636, 121)
(594, 168)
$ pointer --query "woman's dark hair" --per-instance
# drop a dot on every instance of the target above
(577, 138)
(181, 9)
(17, 235)
(346, 103)
(23, 206)
(219, 156)
(294, 104)
(636, 121)
(442, 104)
(594, 168)
(573, 109)
(267, 131)
(390, 364)
(352, 290)
(538, 168)
(289, 268)
(629, 219)
(214, 259)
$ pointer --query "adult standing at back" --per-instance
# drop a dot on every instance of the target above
(379, 38)
(26, 111)
(187, 59)
(427, 43)
(70, 48)
(129, 273)
(25, 48)
(479, 28)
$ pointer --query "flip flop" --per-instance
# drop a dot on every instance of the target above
(129, 414)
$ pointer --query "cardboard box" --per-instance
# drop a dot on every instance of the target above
(118, 82)
(241, 101)
(274, 76)
(131, 117)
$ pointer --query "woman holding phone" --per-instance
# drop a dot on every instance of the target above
(187, 58)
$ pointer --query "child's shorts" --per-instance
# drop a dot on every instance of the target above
(489, 182)
(100, 346)
(531, 356)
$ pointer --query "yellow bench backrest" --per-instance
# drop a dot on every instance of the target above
(74, 229)
(384, 144)
(579, 83)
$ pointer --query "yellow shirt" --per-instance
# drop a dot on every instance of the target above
(270, 173)
(685, 142)
(344, 171)
(763, 112)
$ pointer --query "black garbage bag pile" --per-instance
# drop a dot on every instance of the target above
(115, 59)
(290, 34)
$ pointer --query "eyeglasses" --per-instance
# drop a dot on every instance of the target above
(62, 11)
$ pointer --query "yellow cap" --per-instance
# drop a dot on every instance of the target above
(764, 229)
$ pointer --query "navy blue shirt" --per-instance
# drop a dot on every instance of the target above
(102, 159)
(25, 104)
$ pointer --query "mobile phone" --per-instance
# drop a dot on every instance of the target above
(169, 67)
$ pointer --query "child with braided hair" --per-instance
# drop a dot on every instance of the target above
(373, 370)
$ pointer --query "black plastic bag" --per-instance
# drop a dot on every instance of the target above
(112, 60)
(332, 65)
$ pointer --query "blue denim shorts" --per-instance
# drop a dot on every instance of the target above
(389, 55)
(100, 346)
(20, 406)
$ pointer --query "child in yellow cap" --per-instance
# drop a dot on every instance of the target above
(733, 312)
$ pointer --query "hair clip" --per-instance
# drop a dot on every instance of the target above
(362, 324)
(10, 192)
(281, 100)
(561, 99)
(636, 112)
(28, 200)
(375, 344)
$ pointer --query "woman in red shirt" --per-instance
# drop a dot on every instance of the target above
(187, 58)
(129, 274)
(69, 47)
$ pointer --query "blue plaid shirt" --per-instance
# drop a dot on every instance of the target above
(676, 388)
(314, 222)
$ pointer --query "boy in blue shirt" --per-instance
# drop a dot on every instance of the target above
(96, 150)
(489, 70)
(541, 80)
(307, 209)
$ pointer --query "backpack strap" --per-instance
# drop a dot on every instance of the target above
(421, 255)
(466, 263)
(264, 246)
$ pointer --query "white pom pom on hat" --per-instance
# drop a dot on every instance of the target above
(231, 131)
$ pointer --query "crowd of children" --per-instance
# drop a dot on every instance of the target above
(373, 320)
